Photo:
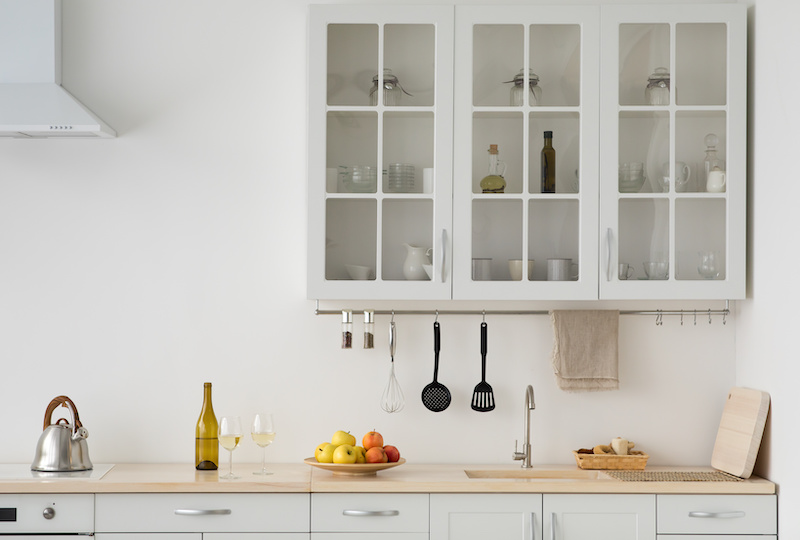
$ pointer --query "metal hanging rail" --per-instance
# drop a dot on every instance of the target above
(658, 313)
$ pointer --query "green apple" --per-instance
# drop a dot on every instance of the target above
(360, 458)
(326, 456)
(343, 437)
(345, 453)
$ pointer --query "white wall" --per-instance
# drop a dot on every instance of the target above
(767, 352)
(134, 269)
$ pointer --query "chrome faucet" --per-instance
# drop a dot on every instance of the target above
(525, 455)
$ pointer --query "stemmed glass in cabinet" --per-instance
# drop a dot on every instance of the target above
(263, 433)
(230, 434)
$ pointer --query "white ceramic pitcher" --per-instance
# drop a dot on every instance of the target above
(416, 257)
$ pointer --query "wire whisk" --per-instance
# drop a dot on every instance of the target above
(392, 400)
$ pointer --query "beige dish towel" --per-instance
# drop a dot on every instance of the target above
(585, 349)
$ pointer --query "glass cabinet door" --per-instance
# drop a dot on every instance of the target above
(380, 127)
(673, 148)
(524, 73)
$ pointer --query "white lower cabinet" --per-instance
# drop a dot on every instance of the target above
(192, 516)
(534, 517)
(477, 517)
(381, 516)
(725, 517)
(600, 517)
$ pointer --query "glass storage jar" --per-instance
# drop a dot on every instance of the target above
(518, 90)
(657, 91)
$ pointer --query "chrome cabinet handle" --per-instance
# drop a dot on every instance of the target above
(721, 515)
(608, 254)
(196, 512)
(553, 522)
(367, 513)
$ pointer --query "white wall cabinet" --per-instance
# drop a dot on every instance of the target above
(457, 67)
(535, 516)
(676, 218)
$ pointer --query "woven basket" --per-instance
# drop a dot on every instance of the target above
(636, 461)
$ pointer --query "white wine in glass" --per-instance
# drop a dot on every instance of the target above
(263, 433)
(230, 434)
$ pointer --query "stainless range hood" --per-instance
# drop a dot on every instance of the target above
(33, 104)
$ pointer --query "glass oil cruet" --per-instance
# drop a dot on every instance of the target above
(494, 181)
(712, 161)
(518, 90)
(657, 91)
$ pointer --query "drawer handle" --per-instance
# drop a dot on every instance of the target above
(723, 515)
(195, 512)
(362, 513)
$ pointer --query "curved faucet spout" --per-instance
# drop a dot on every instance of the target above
(525, 455)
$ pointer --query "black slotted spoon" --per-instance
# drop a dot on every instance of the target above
(436, 396)
(483, 396)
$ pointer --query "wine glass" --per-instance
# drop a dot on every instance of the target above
(230, 433)
(263, 433)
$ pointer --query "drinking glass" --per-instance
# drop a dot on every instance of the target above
(263, 433)
(230, 434)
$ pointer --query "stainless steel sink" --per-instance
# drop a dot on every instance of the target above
(536, 474)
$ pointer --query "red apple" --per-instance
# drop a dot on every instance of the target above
(371, 439)
(376, 455)
(392, 453)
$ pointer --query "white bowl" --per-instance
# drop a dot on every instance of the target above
(428, 270)
(359, 272)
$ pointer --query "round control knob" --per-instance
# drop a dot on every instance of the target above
(49, 513)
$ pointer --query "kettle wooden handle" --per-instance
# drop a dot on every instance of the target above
(66, 402)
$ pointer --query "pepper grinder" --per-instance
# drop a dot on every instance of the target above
(369, 329)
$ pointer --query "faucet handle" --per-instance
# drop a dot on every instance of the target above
(517, 456)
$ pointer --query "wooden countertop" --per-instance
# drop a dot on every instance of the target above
(408, 478)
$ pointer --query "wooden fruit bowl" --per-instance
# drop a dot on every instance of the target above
(353, 469)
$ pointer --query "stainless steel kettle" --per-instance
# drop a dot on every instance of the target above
(62, 446)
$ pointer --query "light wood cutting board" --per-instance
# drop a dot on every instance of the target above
(740, 431)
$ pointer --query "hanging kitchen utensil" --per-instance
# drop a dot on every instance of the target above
(483, 396)
(436, 396)
(62, 446)
(392, 399)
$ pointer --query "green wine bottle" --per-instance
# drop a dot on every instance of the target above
(548, 164)
(206, 443)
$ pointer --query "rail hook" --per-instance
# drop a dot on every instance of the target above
(709, 315)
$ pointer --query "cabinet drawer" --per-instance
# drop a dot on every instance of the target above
(717, 514)
(369, 512)
(202, 512)
(717, 537)
(369, 536)
(73, 513)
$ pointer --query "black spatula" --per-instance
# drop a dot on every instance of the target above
(436, 396)
(483, 396)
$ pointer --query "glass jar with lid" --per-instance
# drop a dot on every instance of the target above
(391, 89)
(518, 90)
(657, 91)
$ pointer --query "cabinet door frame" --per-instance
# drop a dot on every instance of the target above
(735, 110)
(586, 288)
(440, 287)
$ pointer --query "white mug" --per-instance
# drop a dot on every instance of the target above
(560, 270)
(716, 181)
